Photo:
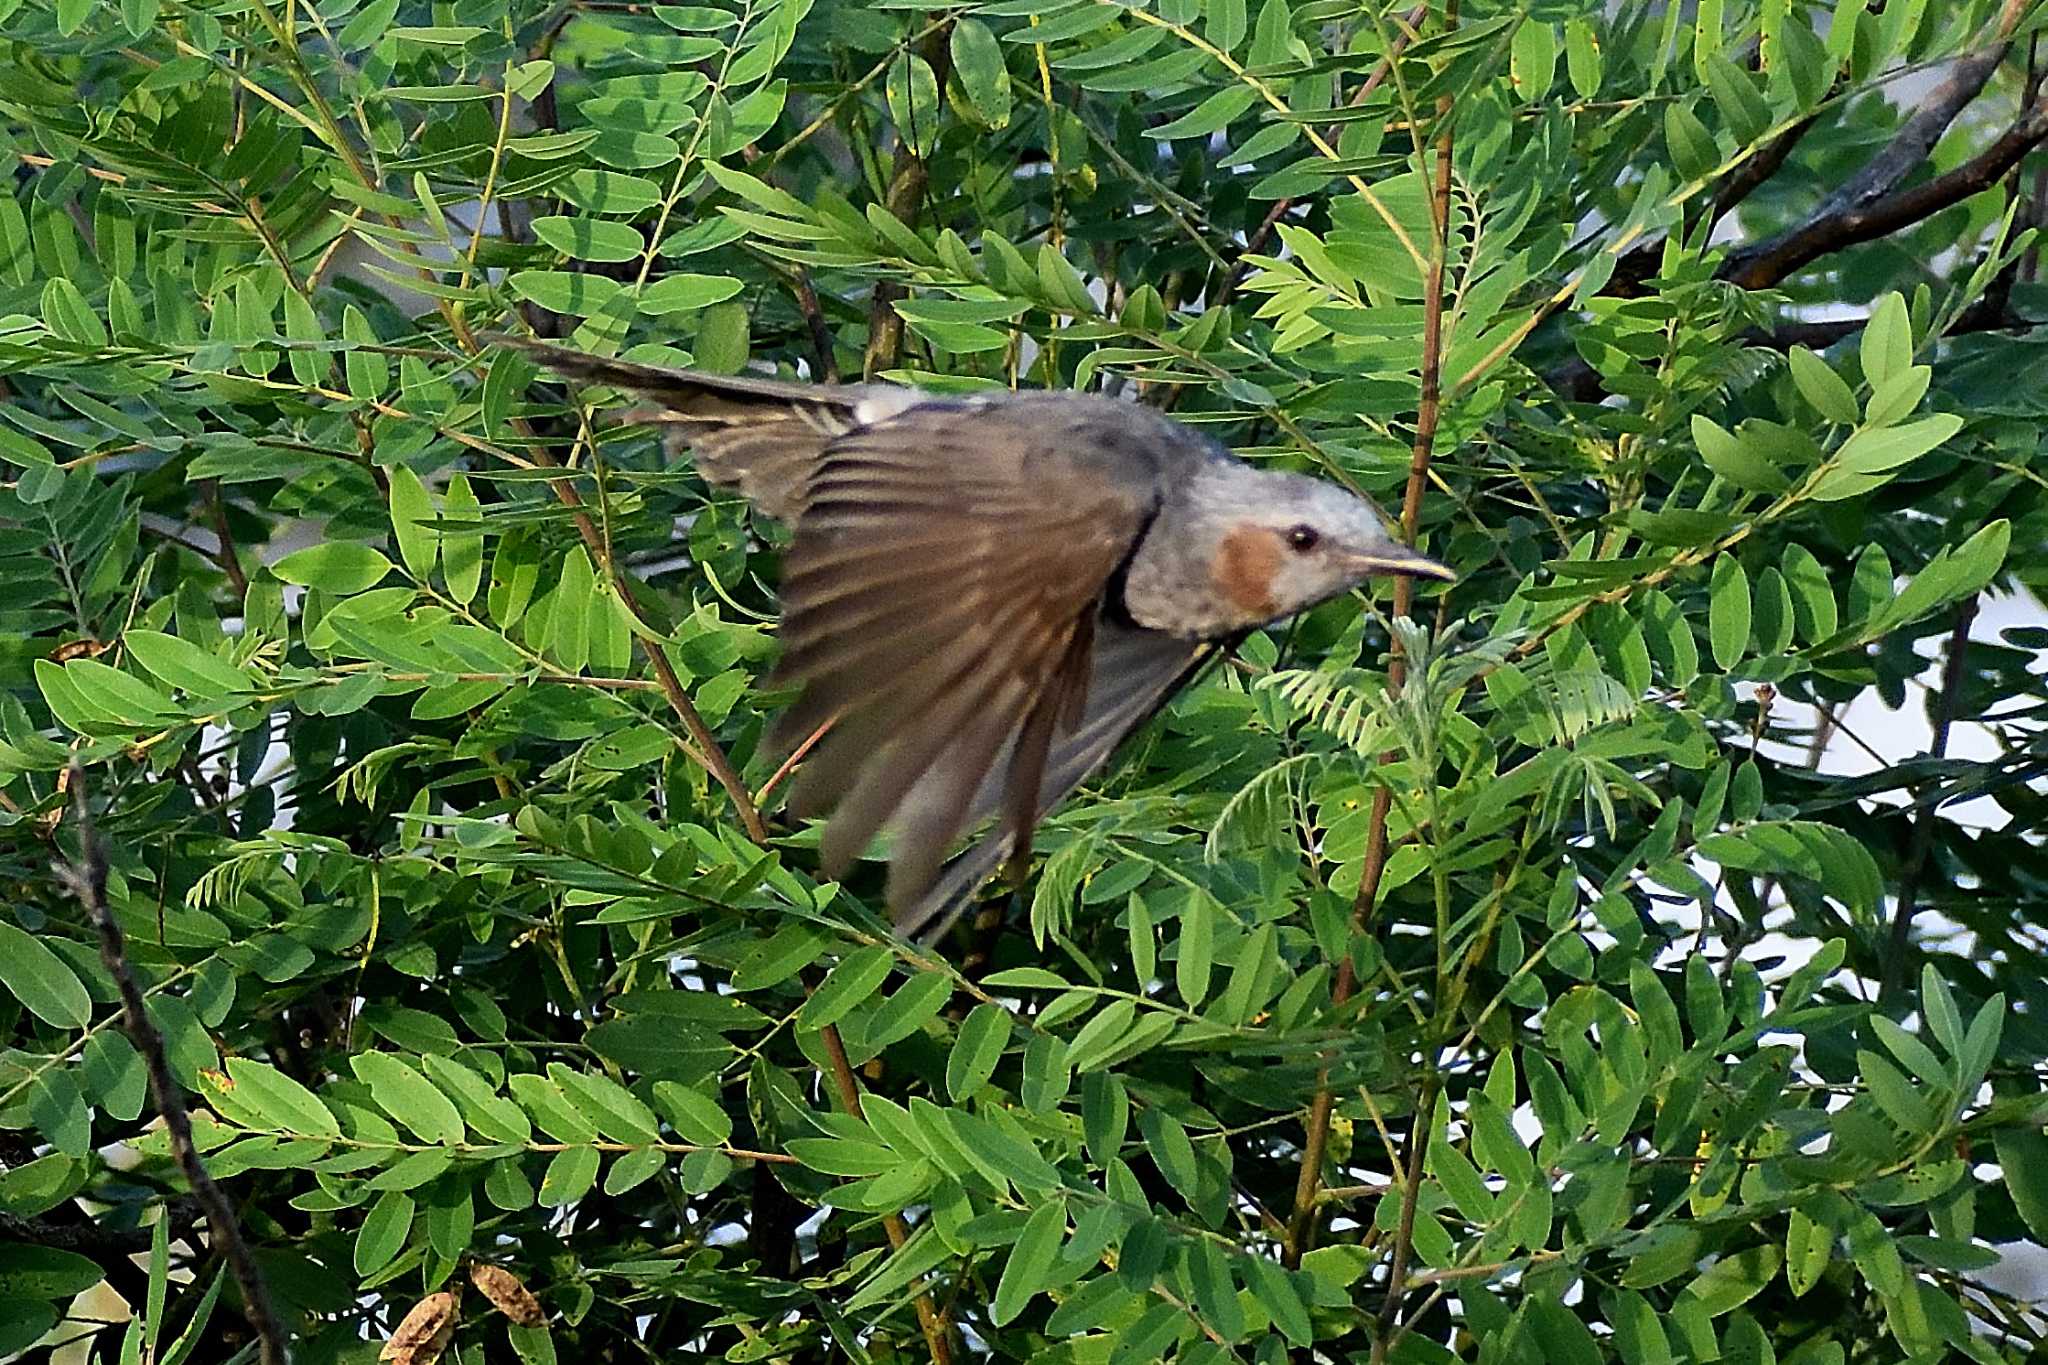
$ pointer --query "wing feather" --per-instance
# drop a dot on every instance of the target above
(1133, 673)
(938, 594)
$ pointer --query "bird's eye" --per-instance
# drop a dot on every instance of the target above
(1302, 539)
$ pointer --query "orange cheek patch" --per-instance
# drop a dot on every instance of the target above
(1246, 566)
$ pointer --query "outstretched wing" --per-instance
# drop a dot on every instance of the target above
(1136, 672)
(940, 601)
(763, 437)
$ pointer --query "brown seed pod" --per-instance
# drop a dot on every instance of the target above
(424, 1333)
(506, 1292)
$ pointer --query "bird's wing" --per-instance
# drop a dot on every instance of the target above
(761, 436)
(939, 606)
(1136, 672)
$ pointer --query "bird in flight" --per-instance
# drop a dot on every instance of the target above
(984, 594)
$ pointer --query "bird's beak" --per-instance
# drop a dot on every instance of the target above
(1399, 559)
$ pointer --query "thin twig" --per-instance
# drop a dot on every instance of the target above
(1923, 822)
(1257, 241)
(230, 559)
(937, 1330)
(708, 751)
(1301, 1227)
(907, 185)
(87, 880)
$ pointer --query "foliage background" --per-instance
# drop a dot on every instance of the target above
(420, 707)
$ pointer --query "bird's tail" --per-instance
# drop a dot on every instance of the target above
(761, 436)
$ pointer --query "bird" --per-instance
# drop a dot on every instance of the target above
(985, 593)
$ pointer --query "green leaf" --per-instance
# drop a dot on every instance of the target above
(1691, 147)
(590, 239)
(1195, 949)
(1813, 594)
(409, 1097)
(1735, 94)
(340, 567)
(984, 78)
(1167, 1140)
(913, 97)
(1031, 1260)
(462, 552)
(1822, 387)
(1809, 1246)
(1532, 59)
(858, 976)
(1746, 468)
(1894, 1094)
(1225, 23)
(412, 515)
(695, 1115)
(1734, 1279)
(1878, 449)
(570, 1175)
(1898, 395)
(41, 981)
(2023, 1157)
(185, 666)
(564, 291)
(983, 1035)
(367, 372)
(1209, 117)
(384, 1231)
(723, 341)
(1105, 1115)
(1887, 344)
(1582, 58)
(682, 292)
(915, 1003)
(288, 1105)
(1728, 612)
(35, 1272)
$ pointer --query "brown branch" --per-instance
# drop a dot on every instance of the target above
(814, 322)
(1641, 263)
(1925, 125)
(87, 880)
(1923, 821)
(230, 558)
(1766, 263)
(708, 752)
(930, 1320)
(1750, 176)
(1429, 411)
(907, 186)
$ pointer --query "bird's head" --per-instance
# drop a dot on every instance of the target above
(1285, 542)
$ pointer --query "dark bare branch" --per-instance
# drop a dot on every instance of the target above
(1916, 137)
(1767, 263)
(87, 880)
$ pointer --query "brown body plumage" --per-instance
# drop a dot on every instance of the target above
(985, 594)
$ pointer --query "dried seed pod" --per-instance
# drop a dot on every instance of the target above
(506, 1292)
(424, 1333)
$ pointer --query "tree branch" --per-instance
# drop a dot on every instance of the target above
(1641, 263)
(1766, 263)
(1428, 413)
(1925, 125)
(87, 880)
(931, 1320)
(907, 187)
